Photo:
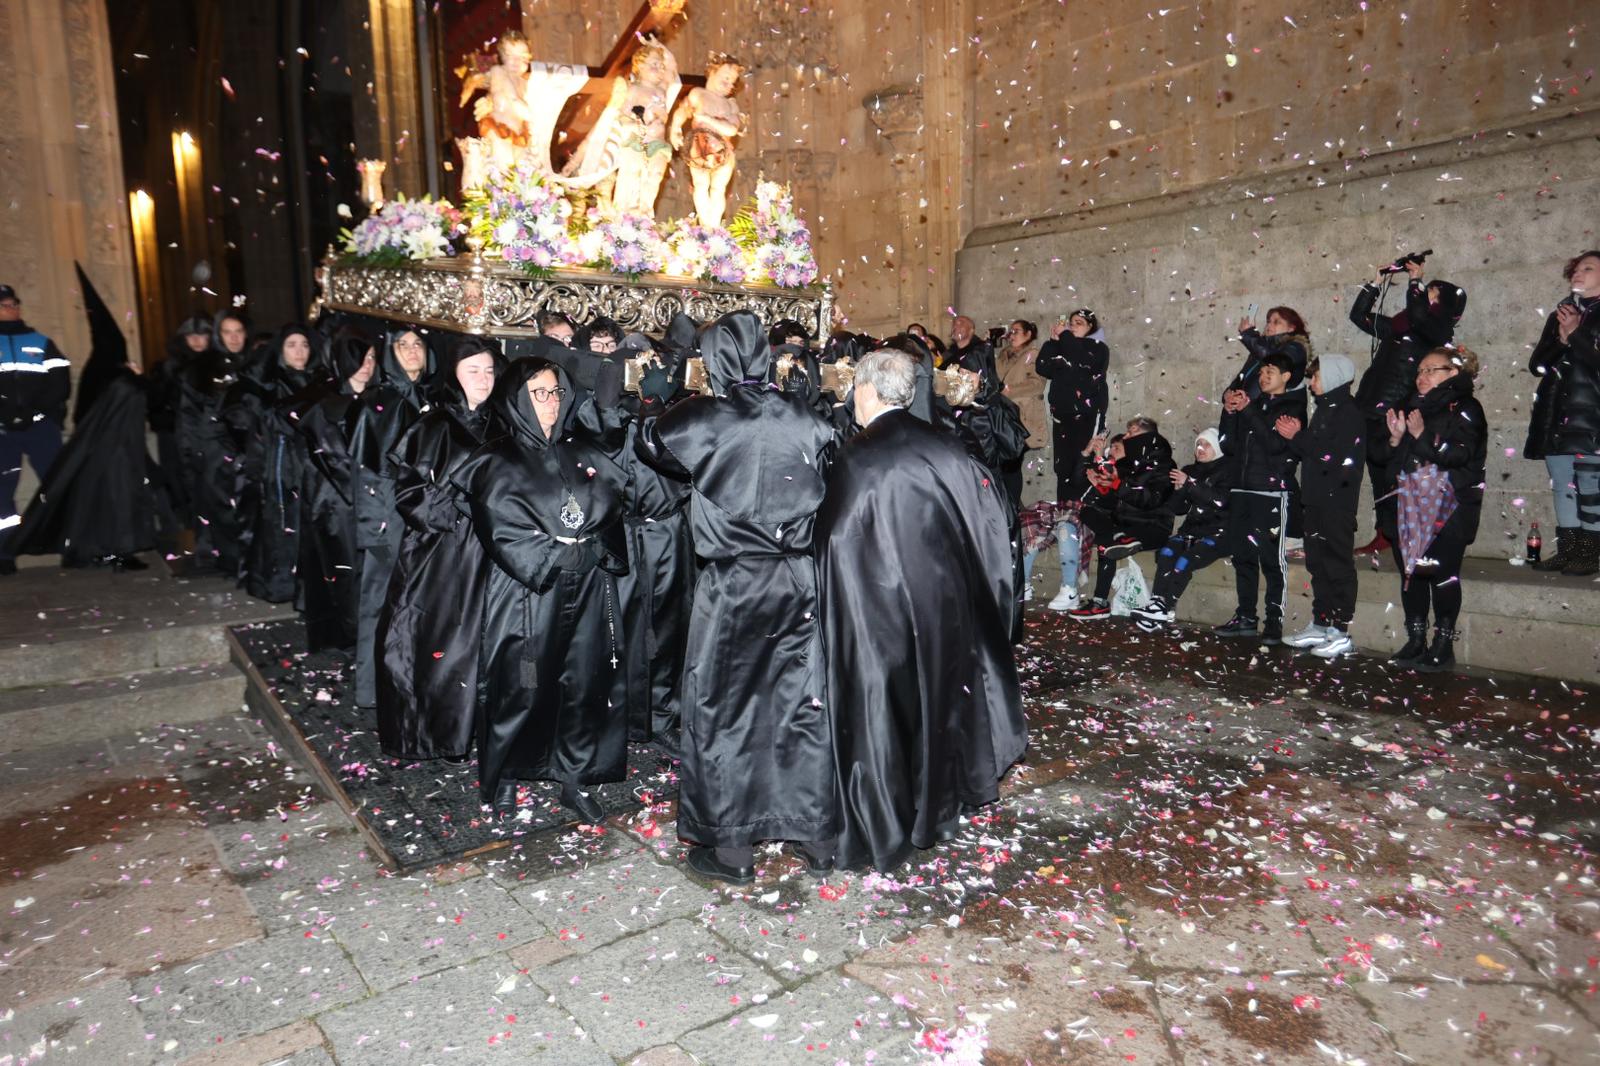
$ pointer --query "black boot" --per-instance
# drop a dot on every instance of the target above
(1442, 656)
(1416, 641)
(1557, 560)
(1583, 557)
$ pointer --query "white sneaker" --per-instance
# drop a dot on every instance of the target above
(1310, 636)
(1154, 611)
(1337, 644)
(1027, 593)
(1065, 600)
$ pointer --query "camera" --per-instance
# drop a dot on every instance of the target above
(1399, 265)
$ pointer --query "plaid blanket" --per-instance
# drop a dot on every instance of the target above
(1039, 523)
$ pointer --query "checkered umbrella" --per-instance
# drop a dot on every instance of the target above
(1427, 500)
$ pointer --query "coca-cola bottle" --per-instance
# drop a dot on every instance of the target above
(1535, 543)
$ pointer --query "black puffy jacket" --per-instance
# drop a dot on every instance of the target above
(1295, 346)
(1203, 499)
(1144, 480)
(1402, 340)
(1566, 409)
(1332, 451)
(1266, 461)
(1455, 438)
(1076, 368)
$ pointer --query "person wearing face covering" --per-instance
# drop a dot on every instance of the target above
(329, 564)
(546, 502)
(757, 747)
(430, 624)
(926, 718)
(1332, 452)
(373, 427)
(259, 411)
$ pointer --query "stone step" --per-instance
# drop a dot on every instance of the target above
(1512, 618)
(69, 625)
(39, 716)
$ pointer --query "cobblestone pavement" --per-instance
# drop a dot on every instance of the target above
(1214, 854)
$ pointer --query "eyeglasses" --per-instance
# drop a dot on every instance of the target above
(1434, 369)
(546, 395)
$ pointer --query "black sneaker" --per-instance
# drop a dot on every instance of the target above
(1091, 611)
(1120, 549)
(1272, 632)
(1240, 625)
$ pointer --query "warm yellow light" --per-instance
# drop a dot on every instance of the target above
(142, 204)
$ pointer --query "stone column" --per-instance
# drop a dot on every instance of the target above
(393, 130)
(62, 196)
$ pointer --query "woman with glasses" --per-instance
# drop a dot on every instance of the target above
(1441, 429)
(546, 501)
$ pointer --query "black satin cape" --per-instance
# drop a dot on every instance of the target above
(96, 499)
(757, 748)
(329, 564)
(260, 409)
(552, 626)
(374, 425)
(915, 572)
(207, 455)
(432, 619)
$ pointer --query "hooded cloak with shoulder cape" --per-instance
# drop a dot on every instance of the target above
(548, 512)
(207, 456)
(432, 619)
(329, 564)
(260, 412)
(376, 420)
(757, 748)
(915, 574)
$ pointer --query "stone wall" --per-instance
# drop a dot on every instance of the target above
(1171, 169)
(61, 191)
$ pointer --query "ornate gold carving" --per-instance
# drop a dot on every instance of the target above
(470, 295)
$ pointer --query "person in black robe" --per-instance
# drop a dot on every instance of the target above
(546, 502)
(260, 410)
(329, 565)
(926, 718)
(205, 446)
(374, 426)
(757, 751)
(431, 622)
(96, 504)
(164, 393)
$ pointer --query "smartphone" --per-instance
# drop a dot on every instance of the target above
(1251, 311)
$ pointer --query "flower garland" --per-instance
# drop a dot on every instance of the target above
(401, 231)
(526, 219)
(628, 244)
(776, 237)
(707, 253)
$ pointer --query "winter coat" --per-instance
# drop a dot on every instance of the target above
(1022, 387)
(1402, 340)
(35, 378)
(1266, 461)
(1203, 499)
(1076, 369)
(1295, 346)
(1455, 438)
(1566, 409)
(1144, 483)
(1332, 452)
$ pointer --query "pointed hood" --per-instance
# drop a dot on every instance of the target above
(735, 349)
(515, 407)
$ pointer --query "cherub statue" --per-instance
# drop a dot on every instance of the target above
(516, 115)
(715, 122)
(631, 135)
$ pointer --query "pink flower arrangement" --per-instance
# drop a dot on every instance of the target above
(526, 219)
(776, 237)
(707, 253)
(628, 244)
(402, 230)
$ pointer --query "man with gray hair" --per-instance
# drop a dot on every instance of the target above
(915, 581)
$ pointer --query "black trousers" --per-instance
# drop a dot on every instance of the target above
(1011, 477)
(1330, 556)
(1069, 438)
(1439, 586)
(1180, 558)
(1255, 535)
(1387, 512)
(1107, 529)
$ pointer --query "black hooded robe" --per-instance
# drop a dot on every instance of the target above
(915, 575)
(207, 455)
(261, 411)
(757, 747)
(386, 409)
(429, 629)
(549, 515)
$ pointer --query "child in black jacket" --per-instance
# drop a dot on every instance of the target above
(1260, 505)
(1200, 493)
(1332, 453)
(1127, 508)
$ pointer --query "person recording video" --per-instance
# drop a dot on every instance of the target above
(1399, 342)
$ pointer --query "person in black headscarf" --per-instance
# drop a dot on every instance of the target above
(329, 563)
(374, 425)
(191, 344)
(546, 502)
(431, 622)
(258, 410)
(757, 756)
(926, 718)
(205, 447)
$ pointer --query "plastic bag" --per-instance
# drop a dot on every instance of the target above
(1128, 589)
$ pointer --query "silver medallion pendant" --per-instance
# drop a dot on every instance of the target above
(571, 513)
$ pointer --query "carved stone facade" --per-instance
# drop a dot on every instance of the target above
(61, 168)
